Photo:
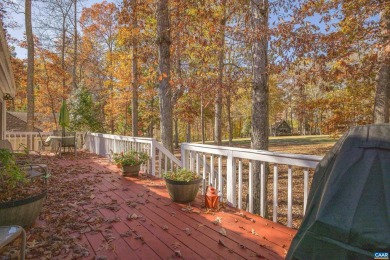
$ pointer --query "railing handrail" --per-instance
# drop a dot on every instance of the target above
(167, 153)
(124, 137)
(302, 160)
(116, 144)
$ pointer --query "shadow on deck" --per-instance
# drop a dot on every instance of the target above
(92, 212)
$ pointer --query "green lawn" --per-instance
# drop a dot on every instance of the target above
(308, 144)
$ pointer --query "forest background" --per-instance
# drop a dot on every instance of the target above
(323, 60)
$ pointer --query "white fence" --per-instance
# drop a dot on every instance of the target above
(20, 140)
(223, 167)
(161, 160)
(230, 161)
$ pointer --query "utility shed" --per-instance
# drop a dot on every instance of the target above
(281, 128)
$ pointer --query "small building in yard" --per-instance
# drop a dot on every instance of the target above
(281, 128)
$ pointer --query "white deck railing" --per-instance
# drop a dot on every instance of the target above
(161, 160)
(230, 160)
(223, 167)
(20, 140)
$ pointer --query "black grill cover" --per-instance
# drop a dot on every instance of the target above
(348, 210)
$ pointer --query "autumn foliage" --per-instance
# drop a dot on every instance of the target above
(322, 66)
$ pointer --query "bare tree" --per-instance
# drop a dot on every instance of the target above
(30, 67)
(74, 69)
(382, 96)
(134, 99)
(259, 127)
(164, 90)
(218, 96)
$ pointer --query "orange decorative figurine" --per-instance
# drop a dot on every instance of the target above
(211, 198)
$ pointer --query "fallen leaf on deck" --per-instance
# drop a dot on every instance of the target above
(254, 232)
(176, 245)
(178, 253)
(132, 216)
(126, 234)
(139, 237)
(188, 231)
(221, 243)
(217, 220)
(165, 227)
(222, 231)
(258, 255)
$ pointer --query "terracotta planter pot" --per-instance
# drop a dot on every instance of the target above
(21, 212)
(183, 191)
(131, 170)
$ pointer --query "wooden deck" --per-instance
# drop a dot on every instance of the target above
(133, 218)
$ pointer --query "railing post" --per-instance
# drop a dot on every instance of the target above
(231, 179)
(183, 157)
(153, 156)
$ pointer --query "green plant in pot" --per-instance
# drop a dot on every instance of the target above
(22, 191)
(130, 162)
(182, 184)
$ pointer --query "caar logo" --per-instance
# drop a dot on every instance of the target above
(381, 255)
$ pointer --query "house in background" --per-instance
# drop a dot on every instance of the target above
(281, 128)
(7, 82)
(17, 122)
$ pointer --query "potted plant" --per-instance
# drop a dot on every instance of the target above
(130, 162)
(182, 184)
(22, 191)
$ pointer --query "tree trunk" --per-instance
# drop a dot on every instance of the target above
(229, 117)
(151, 119)
(202, 118)
(176, 133)
(259, 127)
(30, 68)
(218, 96)
(188, 134)
(382, 96)
(134, 99)
(164, 90)
(74, 70)
(63, 55)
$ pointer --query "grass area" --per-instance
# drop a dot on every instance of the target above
(307, 144)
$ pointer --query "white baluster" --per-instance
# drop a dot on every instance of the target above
(240, 184)
(250, 190)
(305, 188)
(275, 206)
(289, 197)
(220, 180)
(263, 196)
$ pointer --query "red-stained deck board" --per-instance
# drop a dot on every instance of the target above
(155, 223)
(162, 223)
(175, 231)
(232, 241)
(266, 234)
